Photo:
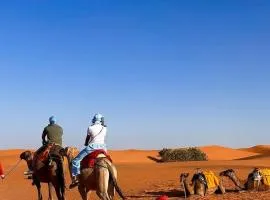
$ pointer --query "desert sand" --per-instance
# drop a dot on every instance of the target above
(142, 178)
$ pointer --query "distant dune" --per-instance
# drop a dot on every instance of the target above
(213, 152)
(261, 149)
(224, 153)
(263, 152)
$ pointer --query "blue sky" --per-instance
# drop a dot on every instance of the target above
(163, 73)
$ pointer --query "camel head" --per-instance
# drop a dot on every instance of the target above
(199, 177)
(256, 175)
(230, 173)
(26, 155)
(183, 176)
(254, 179)
(69, 152)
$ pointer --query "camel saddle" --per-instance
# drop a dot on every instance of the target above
(46, 152)
(90, 160)
(266, 176)
(211, 179)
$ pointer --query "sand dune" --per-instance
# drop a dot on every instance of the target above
(223, 153)
(261, 149)
(213, 152)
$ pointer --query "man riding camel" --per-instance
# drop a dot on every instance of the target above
(95, 140)
(54, 133)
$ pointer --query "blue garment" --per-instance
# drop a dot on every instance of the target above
(76, 162)
(52, 120)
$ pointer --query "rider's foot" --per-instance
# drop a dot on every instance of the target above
(74, 183)
(29, 172)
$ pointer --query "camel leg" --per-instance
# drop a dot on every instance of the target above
(83, 192)
(103, 180)
(103, 195)
(37, 183)
(222, 188)
(50, 191)
(111, 189)
(58, 192)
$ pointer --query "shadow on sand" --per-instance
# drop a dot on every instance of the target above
(155, 159)
(169, 193)
(172, 194)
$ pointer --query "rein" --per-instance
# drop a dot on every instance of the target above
(13, 168)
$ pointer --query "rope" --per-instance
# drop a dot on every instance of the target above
(13, 168)
(184, 189)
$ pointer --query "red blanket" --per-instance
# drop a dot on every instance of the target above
(90, 159)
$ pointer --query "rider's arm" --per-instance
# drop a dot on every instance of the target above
(44, 134)
(88, 137)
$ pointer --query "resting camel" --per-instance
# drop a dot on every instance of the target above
(199, 185)
(257, 179)
(51, 173)
(101, 178)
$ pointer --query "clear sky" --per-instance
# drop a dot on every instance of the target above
(164, 73)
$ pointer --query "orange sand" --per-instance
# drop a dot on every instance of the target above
(142, 178)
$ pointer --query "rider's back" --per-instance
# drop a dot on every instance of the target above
(97, 133)
(54, 133)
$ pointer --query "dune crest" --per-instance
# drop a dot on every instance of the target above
(215, 152)
(261, 149)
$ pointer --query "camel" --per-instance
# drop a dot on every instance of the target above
(51, 173)
(199, 185)
(256, 180)
(101, 178)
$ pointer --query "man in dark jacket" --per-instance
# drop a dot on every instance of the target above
(53, 131)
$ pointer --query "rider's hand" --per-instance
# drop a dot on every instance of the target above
(3, 176)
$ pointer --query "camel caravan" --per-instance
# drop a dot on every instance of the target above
(206, 182)
(92, 169)
(97, 172)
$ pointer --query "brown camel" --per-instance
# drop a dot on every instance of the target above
(255, 181)
(232, 176)
(199, 185)
(51, 173)
(101, 178)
